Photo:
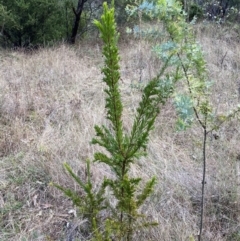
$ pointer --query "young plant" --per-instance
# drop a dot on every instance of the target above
(193, 100)
(194, 103)
(123, 149)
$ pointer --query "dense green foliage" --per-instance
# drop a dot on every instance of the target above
(195, 11)
(213, 10)
(120, 10)
(39, 22)
(32, 22)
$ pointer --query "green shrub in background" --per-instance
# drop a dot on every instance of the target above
(195, 11)
(43, 22)
(32, 22)
(121, 16)
(40, 22)
(192, 9)
(212, 10)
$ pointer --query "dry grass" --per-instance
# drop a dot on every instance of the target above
(49, 104)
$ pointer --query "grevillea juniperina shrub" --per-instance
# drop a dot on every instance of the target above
(123, 149)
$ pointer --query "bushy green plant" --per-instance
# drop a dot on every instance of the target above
(195, 11)
(122, 149)
(192, 9)
(31, 22)
(221, 11)
(120, 13)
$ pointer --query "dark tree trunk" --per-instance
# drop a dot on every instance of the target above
(77, 12)
(6, 34)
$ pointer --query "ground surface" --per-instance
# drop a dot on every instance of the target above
(49, 104)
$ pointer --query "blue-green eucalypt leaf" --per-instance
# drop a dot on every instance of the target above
(166, 86)
(167, 51)
(185, 112)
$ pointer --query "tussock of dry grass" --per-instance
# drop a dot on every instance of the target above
(49, 104)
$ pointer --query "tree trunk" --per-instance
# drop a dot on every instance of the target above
(77, 12)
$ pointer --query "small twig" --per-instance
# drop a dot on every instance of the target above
(224, 56)
(203, 180)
